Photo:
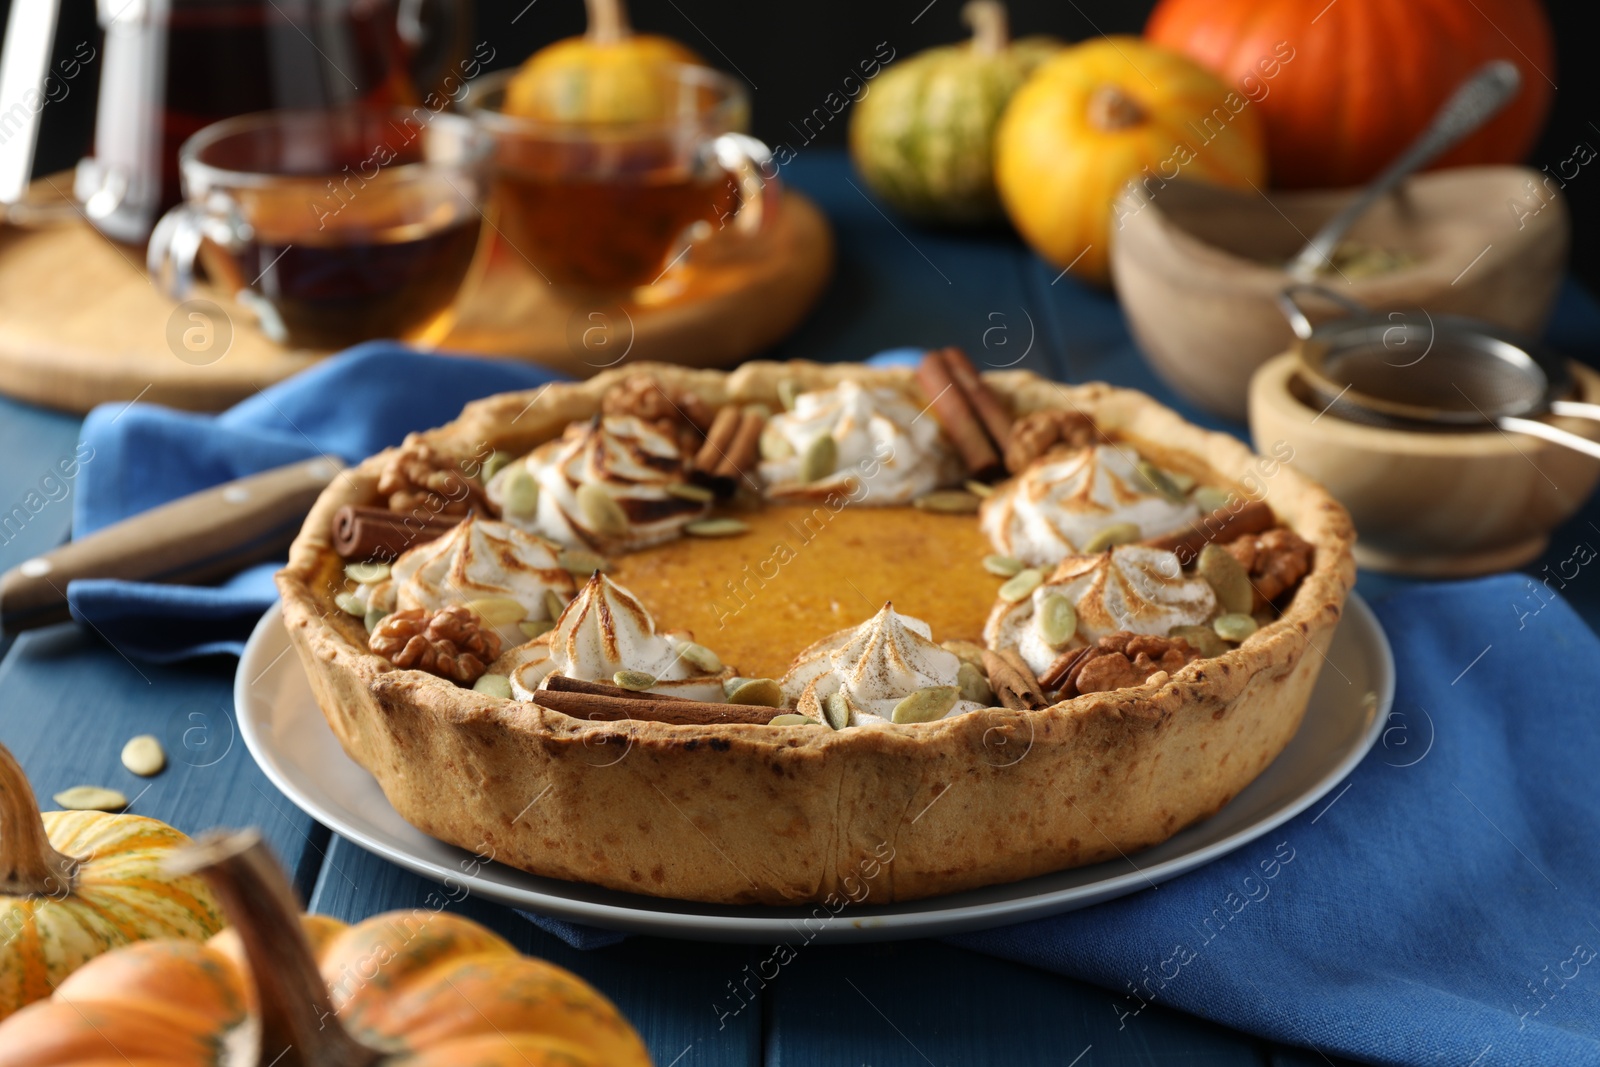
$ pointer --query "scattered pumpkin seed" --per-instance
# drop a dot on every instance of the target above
(1056, 620)
(496, 685)
(836, 709)
(720, 527)
(351, 604)
(495, 463)
(1203, 639)
(1159, 481)
(1234, 626)
(775, 446)
(366, 573)
(762, 692)
(373, 617)
(973, 685)
(553, 604)
(690, 491)
(791, 719)
(949, 502)
(582, 563)
(821, 458)
(601, 510)
(637, 681)
(788, 389)
(926, 704)
(1227, 578)
(1002, 566)
(521, 494)
(980, 489)
(537, 628)
(91, 798)
(1209, 498)
(144, 756)
(1118, 533)
(498, 610)
(700, 658)
(1021, 585)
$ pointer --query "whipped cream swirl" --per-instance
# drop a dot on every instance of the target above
(887, 451)
(876, 665)
(1056, 506)
(1132, 587)
(605, 630)
(629, 460)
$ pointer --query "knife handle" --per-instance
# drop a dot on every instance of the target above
(200, 537)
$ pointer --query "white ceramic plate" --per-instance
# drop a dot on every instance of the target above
(294, 746)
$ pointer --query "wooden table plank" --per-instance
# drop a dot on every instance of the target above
(668, 989)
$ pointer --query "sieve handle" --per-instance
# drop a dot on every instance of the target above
(1298, 321)
(1573, 409)
(1555, 434)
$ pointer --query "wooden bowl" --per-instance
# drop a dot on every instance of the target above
(1198, 267)
(1432, 504)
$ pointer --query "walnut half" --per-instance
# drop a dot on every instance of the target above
(451, 642)
(1275, 560)
(1042, 432)
(1117, 661)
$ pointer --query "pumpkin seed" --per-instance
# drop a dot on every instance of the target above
(373, 617)
(722, 527)
(949, 502)
(601, 510)
(91, 798)
(637, 681)
(788, 389)
(926, 704)
(775, 446)
(144, 756)
(836, 709)
(498, 610)
(821, 458)
(351, 604)
(1056, 620)
(966, 651)
(553, 604)
(1227, 578)
(980, 489)
(1159, 481)
(1184, 482)
(1118, 533)
(791, 719)
(760, 411)
(762, 692)
(1002, 566)
(366, 573)
(521, 494)
(1234, 626)
(494, 464)
(1203, 639)
(1021, 585)
(538, 628)
(495, 685)
(689, 491)
(581, 563)
(1209, 498)
(973, 685)
(700, 657)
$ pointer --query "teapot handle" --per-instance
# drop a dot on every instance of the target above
(1298, 322)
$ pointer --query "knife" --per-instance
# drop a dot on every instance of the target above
(201, 537)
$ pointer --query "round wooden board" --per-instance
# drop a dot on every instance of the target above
(81, 324)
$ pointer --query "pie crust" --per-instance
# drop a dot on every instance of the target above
(752, 814)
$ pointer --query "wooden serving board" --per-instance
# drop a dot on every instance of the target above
(82, 324)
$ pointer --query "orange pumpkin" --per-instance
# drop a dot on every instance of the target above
(429, 989)
(1105, 113)
(1344, 87)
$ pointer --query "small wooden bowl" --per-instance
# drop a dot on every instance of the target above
(1198, 267)
(1424, 503)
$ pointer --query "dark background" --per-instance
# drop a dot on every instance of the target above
(793, 55)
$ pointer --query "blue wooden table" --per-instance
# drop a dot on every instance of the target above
(68, 701)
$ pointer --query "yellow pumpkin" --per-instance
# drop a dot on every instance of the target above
(1104, 114)
(75, 884)
(609, 75)
(423, 988)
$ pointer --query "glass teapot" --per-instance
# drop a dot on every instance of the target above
(172, 67)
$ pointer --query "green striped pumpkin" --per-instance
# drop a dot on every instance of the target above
(922, 136)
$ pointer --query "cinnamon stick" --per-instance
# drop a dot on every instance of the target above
(362, 532)
(744, 450)
(957, 418)
(560, 683)
(1065, 670)
(649, 707)
(1012, 681)
(1224, 524)
(996, 420)
(719, 438)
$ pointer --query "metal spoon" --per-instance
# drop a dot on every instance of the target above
(1473, 103)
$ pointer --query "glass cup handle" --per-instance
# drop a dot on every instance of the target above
(176, 240)
(750, 163)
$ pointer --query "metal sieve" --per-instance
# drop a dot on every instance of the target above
(1411, 370)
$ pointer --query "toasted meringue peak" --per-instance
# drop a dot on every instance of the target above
(482, 560)
(886, 450)
(1054, 507)
(876, 665)
(631, 461)
(602, 631)
(1132, 587)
